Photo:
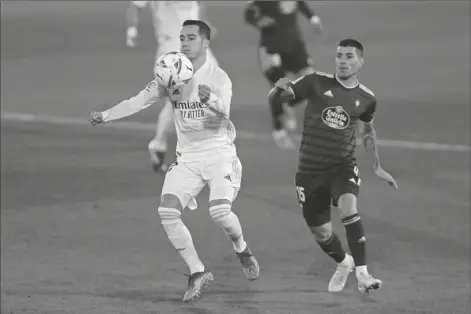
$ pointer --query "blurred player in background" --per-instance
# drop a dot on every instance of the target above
(327, 171)
(206, 154)
(282, 49)
(168, 17)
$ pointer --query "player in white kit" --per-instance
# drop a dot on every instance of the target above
(168, 17)
(206, 154)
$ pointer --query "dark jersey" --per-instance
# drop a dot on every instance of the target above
(330, 121)
(285, 33)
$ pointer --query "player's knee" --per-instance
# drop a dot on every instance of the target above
(219, 208)
(170, 201)
(273, 74)
(316, 216)
(347, 204)
(322, 233)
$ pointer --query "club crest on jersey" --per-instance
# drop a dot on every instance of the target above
(336, 117)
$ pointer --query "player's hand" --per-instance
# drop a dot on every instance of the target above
(204, 92)
(316, 24)
(283, 83)
(282, 139)
(383, 175)
(96, 118)
(265, 21)
(131, 37)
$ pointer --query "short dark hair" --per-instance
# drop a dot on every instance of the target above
(349, 42)
(204, 29)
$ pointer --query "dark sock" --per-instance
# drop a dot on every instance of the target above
(333, 248)
(356, 238)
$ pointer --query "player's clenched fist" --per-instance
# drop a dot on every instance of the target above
(96, 118)
(204, 92)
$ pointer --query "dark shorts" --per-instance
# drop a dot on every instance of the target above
(316, 193)
(294, 60)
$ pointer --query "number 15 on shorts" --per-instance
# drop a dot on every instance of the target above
(301, 195)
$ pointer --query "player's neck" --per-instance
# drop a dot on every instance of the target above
(198, 62)
(349, 82)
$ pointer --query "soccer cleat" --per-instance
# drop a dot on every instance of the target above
(249, 264)
(196, 283)
(339, 278)
(366, 282)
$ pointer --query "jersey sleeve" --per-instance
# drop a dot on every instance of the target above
(152, 93)
(368, 115)
(302, 87)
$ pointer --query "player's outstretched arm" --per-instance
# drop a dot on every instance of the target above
(152, 93)
(370, 143)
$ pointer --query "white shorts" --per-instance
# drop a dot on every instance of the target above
(186, 180)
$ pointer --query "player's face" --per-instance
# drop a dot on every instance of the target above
(191, 43)
(348, 61)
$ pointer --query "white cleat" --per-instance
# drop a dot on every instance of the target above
(339, 278)
(366, 283)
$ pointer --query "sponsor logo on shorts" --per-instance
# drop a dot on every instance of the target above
(336, 117)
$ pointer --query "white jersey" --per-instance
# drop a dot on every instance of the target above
(168, 16)
(204, 130)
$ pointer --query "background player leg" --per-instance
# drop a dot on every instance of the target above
(299, 64)
(158, 145)
(224, 183)
(315, 201)
(180, 187)
(271, 66)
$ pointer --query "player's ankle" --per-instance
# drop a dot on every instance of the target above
(362, 269)
(346, 261)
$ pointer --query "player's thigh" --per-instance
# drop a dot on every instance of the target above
(346, 182)
(314, 196)
(182, 181)
(298, 60)
(224, 178)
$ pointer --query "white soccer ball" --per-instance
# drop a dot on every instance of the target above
(173, 69)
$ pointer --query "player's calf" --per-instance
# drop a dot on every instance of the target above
(222, 215)
(356, 239)
(170, 215)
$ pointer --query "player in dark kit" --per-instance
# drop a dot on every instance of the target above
(282, 49)
(327, 170)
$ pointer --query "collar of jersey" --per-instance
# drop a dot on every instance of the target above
(202, 70)
(347, 87)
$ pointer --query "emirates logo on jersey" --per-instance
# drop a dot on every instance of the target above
(336, 117)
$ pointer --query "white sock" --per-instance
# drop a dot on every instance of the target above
(181, 239)
(346, 260)
(361, 270)
(229, 222)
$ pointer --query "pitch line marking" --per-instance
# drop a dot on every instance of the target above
(246, 135)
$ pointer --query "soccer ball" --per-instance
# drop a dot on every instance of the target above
(173, 69)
